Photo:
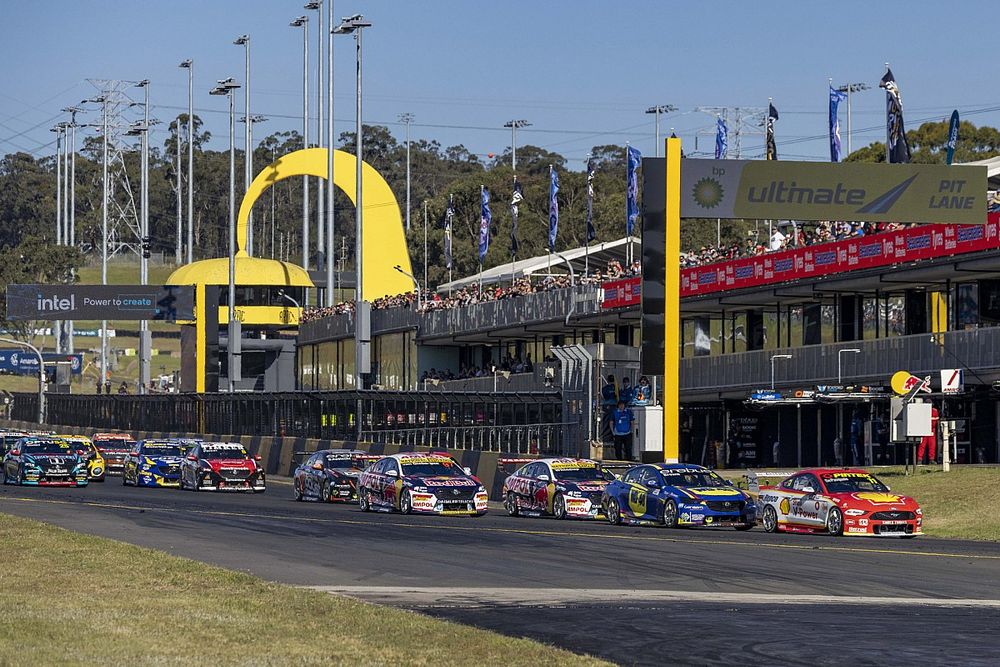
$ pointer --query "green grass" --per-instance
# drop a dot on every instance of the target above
(67, 598)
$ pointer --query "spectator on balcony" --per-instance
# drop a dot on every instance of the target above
(626, 393)
(621, 430)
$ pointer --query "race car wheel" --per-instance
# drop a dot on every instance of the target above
(405, 503)
(670, 513)
(770, 520)
(510, 504)
(835, 522)
(325, 492)
(296, 490)
(124, 479)
(559, 507)
(613, 512)
(363, 501)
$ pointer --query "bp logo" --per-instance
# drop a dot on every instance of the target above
(708, 192)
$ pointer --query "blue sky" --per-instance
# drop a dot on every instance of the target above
(581, 71)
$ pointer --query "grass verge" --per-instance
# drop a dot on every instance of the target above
(68, 598)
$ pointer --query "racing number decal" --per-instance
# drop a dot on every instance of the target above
(550, 496)
(397, 488)
(637, 501)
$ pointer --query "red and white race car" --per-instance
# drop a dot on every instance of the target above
(561, 487)
(838, 501)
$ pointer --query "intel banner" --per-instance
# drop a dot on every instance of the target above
(99, 302)
(26, 363)
(783, 190)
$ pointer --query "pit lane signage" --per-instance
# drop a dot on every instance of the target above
(26, 363)
(99, 302)
(773, 189)
(952, 381)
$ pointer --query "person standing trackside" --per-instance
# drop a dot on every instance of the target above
(627, 391)
(609, 397)
(621, 428)
(642, 393)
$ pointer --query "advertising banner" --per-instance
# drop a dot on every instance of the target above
(859, 252)
(99, 302)
(853, 191)
(26, 363)
(621, 293)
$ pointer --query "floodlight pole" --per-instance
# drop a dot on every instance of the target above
(656, 111)
(189, 65)
(331, 251)
(303, 22)
(406, 119)
(513, 125)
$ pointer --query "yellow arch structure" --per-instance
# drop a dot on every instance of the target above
(384, 239)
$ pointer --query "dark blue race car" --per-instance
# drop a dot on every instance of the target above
(156, 462)
(677, 494)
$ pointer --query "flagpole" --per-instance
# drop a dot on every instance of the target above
(766, 149)
(887, 136)
(628, 244)
(513, 232)
(481, 188)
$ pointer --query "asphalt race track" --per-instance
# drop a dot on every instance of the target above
(631, 595)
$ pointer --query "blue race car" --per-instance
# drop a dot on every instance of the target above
(677, 494)
(155, 462)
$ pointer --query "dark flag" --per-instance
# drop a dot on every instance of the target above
(485, 219)
(952, 135)
(674, 136)
(836, 97)
(515, 201)
(553, 208)
(632, 189)
(591, 232)
(898, 150)
(449, 219)
(772, 115)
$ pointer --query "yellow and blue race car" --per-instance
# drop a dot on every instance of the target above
(154, 463)
(677, 494)
(96, 467)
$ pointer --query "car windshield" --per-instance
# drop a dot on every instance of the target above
(580, 473)
(115, 443)
(848, 482)
(163, 449)
(431, 468)
(340, 463)
(47, 447)
(693, 478)
(224, 453)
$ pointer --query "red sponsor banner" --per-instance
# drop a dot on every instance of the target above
(622, 293)
(859, 252)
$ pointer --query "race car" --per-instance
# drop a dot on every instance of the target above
(420, 482)
(838, 501)
(114, 447)
(330, 475)
(96, 467)
(221, 466)
(44, 462)
(677, 494)
(155, 463)
(560, 487)
(10, 438)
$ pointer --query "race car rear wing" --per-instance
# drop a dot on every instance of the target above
(753, 478)
(617, 468)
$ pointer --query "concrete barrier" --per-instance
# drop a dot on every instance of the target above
(278, 453)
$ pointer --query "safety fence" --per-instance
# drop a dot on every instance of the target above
(488, 418)
(534, 439)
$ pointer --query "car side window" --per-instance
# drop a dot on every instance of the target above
(543, 469)
(632, 476)
(789, 483)
(527, 470)
(801, 482)
(813, 482)
(391, 464)
(380, 466)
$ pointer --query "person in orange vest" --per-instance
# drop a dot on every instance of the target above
(929, 442)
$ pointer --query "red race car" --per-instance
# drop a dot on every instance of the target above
(114, 447)
(838, 501)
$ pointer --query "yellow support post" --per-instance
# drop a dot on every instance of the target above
(939, 312)
(672, 304)
(201, 333)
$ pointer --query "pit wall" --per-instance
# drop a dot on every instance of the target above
(277, 453)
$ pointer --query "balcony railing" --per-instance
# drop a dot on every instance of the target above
(923, 354)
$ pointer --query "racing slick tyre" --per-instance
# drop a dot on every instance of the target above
(363, 503)
(769, 520)
(296, 491)
(125, 479)
(613, 512)
(325, 492)
(746, 526)
(405, 503)
(670, 513)
(101, 478)
(559, 507)
(835, 522)
(510, 504)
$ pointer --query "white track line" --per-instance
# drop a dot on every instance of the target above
(475, 597)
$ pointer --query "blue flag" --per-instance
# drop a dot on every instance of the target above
(591, 231)
(952, 135)
(632, 190)
(553, 208)
(721, 139)
(836, 97)
(515, 201)
(484, 223)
